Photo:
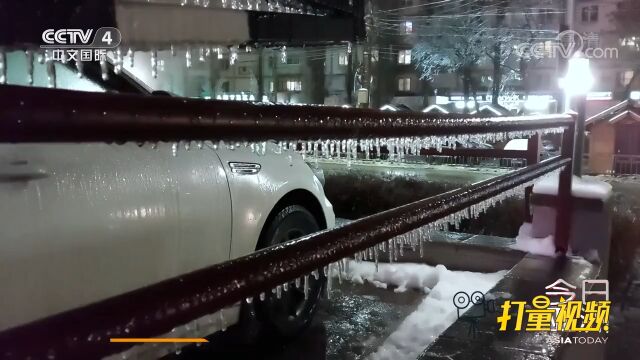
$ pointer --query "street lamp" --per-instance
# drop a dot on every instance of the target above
(576, 85)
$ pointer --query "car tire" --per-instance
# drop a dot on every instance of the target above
(287, 316)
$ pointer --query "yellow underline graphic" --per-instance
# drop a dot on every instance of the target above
(158, 340)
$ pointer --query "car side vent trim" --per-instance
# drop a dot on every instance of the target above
(244, 168)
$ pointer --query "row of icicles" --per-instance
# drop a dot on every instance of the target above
(117, 58)
(393, 250)
(350, 149)
(255, 5)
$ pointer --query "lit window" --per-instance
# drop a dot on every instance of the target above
(404, 57)
(625, 77)
(343, 59)
(294, 85)
(632, 42)
(404, 84)
(407, 27)
(590, 14)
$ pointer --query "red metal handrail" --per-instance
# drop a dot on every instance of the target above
(156, 309)
(50, 115)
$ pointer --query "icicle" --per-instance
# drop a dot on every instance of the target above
(306, 287)
(297, 283)
(279, 291)
(340, 272)
(283, 55)
(329, 281)
(233, 55)
(201, 54)
(392, 250)
(285, 286)
(316, 274)
(3, 66)
(29, 55)
(131, 55)
(117, 66)
(187, 56)
(174, 149)
(51, 73)
(262, 296)
(249, 300)
(223, 322)
(80, 68)
(104, 69)
(154, 63)
(349, 47)
(375, 256)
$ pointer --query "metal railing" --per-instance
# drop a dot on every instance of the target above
(42, 115)
(626, 164)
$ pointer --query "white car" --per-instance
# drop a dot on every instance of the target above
(84, 222)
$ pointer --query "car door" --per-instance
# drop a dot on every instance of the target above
(84, 222)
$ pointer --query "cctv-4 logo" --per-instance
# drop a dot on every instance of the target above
(105, 37)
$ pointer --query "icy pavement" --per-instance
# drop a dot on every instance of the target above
(394, 313)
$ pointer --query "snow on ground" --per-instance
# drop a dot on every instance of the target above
(436, 312)
(517, 144)
(538, 246)
(582, 187)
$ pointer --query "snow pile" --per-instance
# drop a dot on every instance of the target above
(517, 144)
(539, 246)
(581, 187)
(436, 312)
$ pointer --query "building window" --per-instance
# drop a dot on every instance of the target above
(292, 85)
(404, 57)
(404, 84)
(225, 87)
(632, 42)
(590, 14)
(343, 59)
(293, 60)
(625, 77)
(407, 27)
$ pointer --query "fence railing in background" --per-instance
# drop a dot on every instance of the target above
(626, 164)
(44, 115)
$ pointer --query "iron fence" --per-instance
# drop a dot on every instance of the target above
(44, 115)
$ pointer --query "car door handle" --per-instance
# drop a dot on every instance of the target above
(244, 168)
(17, 171)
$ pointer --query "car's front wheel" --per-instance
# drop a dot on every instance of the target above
(290, 312)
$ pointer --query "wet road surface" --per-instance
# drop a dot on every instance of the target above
(351, 325)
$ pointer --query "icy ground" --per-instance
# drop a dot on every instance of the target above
(397, 318)
(434, 314)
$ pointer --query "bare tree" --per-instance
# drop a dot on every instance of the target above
(459, 47)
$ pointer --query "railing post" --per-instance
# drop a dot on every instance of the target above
(533, 150)
(580, 119)
(564, 199)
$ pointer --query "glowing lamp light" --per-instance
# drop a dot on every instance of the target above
(579, 78)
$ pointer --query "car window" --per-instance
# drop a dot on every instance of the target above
(66, 78)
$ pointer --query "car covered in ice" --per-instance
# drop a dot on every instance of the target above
(85, 222)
